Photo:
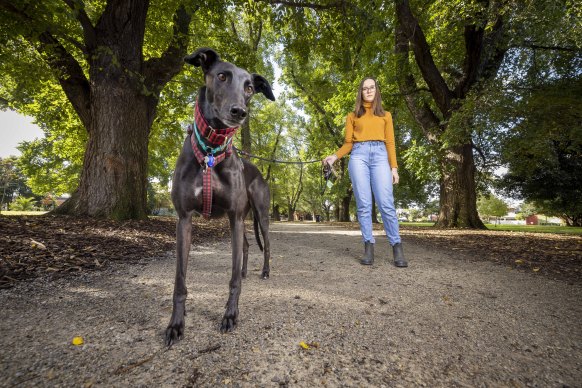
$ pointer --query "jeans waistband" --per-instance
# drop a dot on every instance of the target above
(370, 142)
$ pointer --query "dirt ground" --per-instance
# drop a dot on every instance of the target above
(450, 319)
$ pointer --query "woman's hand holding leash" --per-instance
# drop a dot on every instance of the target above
(330, 160)
(395, 177)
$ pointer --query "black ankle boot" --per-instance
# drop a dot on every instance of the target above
(368, 258)
(399, 259)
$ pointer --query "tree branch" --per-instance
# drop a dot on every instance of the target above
(317, 107)
(534, 46)
(268, 176)
(159, 71)
(420, 110)
(65, 67)
(306, 4)
(257, 40)
(78, 8)
(430, 73)
(483, 55)
(69, 74)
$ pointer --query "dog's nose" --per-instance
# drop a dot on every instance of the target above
(237, 111)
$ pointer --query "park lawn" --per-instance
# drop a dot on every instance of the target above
(514, 228)
(536, 228)
(22, 213)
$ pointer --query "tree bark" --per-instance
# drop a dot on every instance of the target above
(116, 104)
(114, 178)
(458, 199)
(245, 138)
(344, 215)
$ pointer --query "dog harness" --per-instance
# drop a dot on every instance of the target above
(211, 146)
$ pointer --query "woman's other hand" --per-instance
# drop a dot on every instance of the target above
(395, 177)
(329, 160)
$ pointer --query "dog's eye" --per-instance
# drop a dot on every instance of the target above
(249, 89)
(221, 77)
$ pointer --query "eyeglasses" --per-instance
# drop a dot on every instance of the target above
(371, 89)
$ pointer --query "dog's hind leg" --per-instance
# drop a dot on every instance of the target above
(245, 256)
(229, 320)
(175, 330)
(264, 225)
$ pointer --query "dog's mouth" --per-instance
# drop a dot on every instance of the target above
(232, 122)
(228, 120)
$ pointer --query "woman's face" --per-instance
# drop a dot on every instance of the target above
(369, 90)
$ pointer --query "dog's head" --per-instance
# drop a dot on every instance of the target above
(228, 87)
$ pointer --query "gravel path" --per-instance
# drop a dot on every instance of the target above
(441, 322)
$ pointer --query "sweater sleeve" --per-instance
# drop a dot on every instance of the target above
(348, 140)
(389, 139)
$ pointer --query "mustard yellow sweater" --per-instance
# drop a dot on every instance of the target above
(368, 128)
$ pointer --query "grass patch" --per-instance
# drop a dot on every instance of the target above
(513, 228)
(536, 228)
(423, 224)
(22, 213)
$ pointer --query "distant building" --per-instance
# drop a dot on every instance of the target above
(532, 220)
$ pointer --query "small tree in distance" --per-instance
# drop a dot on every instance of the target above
(491, 206)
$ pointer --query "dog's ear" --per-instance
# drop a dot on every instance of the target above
(204, 56)
(262, 86)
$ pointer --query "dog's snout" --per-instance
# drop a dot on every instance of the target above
(238, 111)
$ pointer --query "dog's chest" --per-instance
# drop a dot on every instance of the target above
(227, 185)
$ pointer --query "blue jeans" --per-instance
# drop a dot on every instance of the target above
(370, 172)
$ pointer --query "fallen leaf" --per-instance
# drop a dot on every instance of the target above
(536, 269)
(77, 341)
(36, 244)
(304, 345)
(519, 261)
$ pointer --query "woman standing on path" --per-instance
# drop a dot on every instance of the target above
(372, 167)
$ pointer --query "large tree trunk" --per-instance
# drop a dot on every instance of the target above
(116, 104)
(114, 178)
(484, 52)
(458, 202)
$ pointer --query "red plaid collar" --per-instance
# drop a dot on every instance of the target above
(213, 136)
(210, 136)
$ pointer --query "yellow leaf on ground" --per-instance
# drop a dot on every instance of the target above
(303, 345)
(519, 261)
(77, 341)
(536, 269)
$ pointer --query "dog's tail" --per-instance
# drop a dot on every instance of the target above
(256, 227)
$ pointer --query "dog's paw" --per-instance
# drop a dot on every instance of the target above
(174, 333)
(265, 274)
(228, 324)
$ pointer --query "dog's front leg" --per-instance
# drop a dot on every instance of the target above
(231, 313)
(175, 330)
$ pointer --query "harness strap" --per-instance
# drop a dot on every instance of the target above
(205, 155)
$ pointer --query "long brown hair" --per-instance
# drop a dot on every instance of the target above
(377, 109)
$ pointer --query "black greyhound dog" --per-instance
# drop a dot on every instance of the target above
(221, 105)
